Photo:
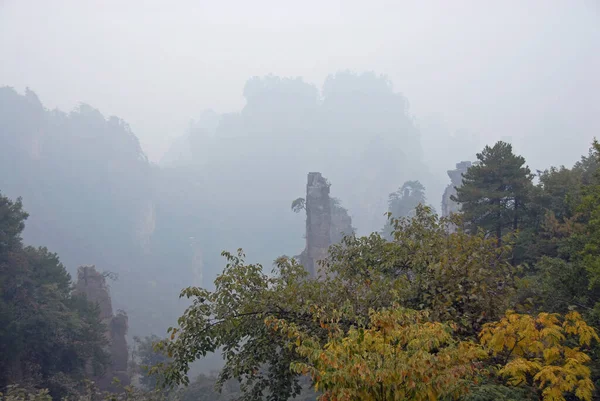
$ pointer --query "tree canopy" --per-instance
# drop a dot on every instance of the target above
(49, 338)
(495, 191)
(403, 202)
(418, 270)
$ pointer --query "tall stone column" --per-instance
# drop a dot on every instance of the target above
(318, 222)
(448, 205)
(93, 284)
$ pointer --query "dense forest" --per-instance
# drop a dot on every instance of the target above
(497, 302)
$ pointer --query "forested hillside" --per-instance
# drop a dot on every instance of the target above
(299, 201)
(49, 337)
(95, 199)
(90, 190)
(502, 307)
(499, 301)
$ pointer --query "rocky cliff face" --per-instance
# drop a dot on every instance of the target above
(93, 284)
(341, 222)
(146, 225)
(448, 205)
(326, 223)
(318, 221)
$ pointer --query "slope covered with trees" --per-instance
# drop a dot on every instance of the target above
(403, 203)
(86, 182)
(96, 199)
(505, 307)
(428, 314)
(49, 338)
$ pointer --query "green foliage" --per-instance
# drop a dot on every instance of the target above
(456, 277)
(561, 190)
(232, 319)
(562, 256)
(590, 208)
(565, 243)
(89, 393)
(347, 329)
(95, 197)
(459, 277)
(47, 336)
(298, 205)
(144, 357)
(87, 184)
(12, 223)
(497, 392)
(406, 199)
(203, 389)
(403, 202)
(559, 285)
(14, 393)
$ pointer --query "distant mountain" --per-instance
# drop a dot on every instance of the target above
(228, 182)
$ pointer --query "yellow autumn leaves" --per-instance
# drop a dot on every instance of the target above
(402, 355)
(543, 351)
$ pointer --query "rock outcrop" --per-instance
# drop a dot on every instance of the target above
(341, 222)
(318, 221)
(448, 205)
(146, 225)
(327, 222)
(93, 285)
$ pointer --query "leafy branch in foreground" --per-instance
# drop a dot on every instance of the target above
(456, 277)
(544, 352)
(231, 320)
(399, 355)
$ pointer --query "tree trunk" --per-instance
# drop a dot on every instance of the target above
(499, 232)
(499, 224)
(516, 218)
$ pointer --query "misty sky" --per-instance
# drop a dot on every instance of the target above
(518, 69)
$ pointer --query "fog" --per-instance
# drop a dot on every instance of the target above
(204, 87)
(525, 70)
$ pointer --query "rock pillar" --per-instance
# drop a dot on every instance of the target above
(448, 205)
(93, 285)
(318, 221)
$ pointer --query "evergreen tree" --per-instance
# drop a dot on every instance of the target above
(403, 202)
(495, 192)
(47, 335)
(145, 357)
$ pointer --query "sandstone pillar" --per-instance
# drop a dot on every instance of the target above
(318, 221)
(448, 205)
(93, 285)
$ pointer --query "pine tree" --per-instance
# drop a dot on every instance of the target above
(403, 202)
(495, 192)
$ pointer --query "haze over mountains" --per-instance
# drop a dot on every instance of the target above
(219, 123)
(520, 70)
